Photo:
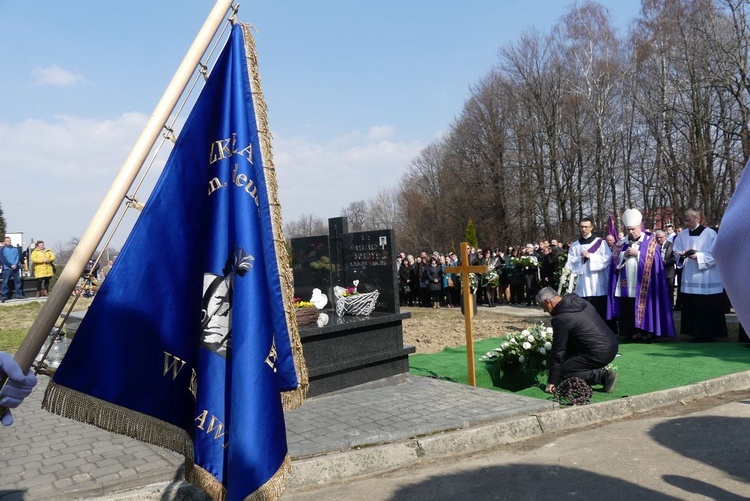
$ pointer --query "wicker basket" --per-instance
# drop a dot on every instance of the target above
(306, 315)
(358, 304)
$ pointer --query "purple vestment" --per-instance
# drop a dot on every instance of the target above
(729, 250)
(653, 307)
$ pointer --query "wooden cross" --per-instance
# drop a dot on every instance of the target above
(464, 269)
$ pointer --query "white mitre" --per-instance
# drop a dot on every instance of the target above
(632, 217)
(319, 299)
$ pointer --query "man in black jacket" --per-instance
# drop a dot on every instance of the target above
(582, 343)
(669, 259)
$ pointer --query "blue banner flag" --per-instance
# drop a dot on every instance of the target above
(191, 343)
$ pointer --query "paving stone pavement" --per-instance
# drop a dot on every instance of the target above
(46, 457)
(417, 406)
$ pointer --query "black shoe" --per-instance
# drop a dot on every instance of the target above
(608, 381)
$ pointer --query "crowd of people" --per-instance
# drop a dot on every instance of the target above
(634, 281)
(39, 263)
(513, 277)
(14, 262)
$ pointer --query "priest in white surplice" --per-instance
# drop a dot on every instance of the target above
(589, 259)
(701, 287)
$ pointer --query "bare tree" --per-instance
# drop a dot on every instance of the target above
(579, 121)
(383, 210)
(307, 225)
(356, 214)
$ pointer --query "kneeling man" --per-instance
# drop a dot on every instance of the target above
(582, 343)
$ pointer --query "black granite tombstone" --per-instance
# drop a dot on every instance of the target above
(341, 258)
(370, 258)
(351, 350)
(337, 228)
(311, 266)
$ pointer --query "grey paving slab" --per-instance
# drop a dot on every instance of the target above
(417, 406)
(55, 458)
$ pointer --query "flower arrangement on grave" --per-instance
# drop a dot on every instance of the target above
(298, 303)
(349, 301)
(305, 311)
(522, 357)
(473, 281)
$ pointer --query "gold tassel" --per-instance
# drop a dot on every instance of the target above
(202, 479)
(272, 490)
(108, 416)
(294, 398)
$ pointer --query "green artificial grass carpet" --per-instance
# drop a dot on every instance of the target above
(642, 368)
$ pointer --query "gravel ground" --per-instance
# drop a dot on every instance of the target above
(431, 330)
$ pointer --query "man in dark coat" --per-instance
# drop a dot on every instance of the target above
(582, 343)
(669, 259)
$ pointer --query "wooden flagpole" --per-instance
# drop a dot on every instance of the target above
(107, 211)
(464, 269)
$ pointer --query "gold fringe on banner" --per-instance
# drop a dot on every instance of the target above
(294, 398)
(205, 481)
(272, 490)
(78, 406)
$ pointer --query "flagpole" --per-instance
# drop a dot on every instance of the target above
(107, 211)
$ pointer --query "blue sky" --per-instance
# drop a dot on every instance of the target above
(355, 90)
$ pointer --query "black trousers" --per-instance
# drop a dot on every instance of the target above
(516, 293)
(588, 366)
(626, 320)
(42, 284)
(703, 316)
(532, 287)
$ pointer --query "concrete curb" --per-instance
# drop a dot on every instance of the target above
(378, 459)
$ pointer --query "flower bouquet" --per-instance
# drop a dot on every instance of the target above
(567, 282)
(521, 358)
(351, 302)
(526, 262)
(491, 279)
